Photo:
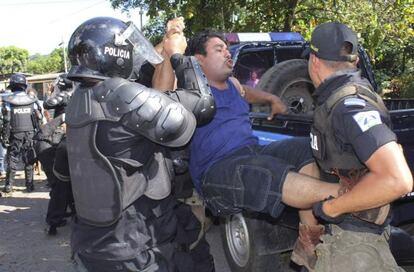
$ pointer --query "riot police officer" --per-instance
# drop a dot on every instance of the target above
(21, 117)
(50, 140)
(117, 134)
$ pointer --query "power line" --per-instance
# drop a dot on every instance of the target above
(75, 12)
(40, 2)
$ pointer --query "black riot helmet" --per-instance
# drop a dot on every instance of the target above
(107, 47)
(17, 82)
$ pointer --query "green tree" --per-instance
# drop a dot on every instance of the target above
(385, 27)
(52, 63)
(155, 28)
(13, 59)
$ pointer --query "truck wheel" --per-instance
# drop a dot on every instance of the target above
(291, 82)
(242, 252)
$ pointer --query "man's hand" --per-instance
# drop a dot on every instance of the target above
(277, 107)
(254, 96)
(175, 26)
(174, 40)
(323, 218)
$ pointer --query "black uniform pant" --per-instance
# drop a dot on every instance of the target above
(16, 157)
(60, 198)
(61, 191)
(46, 155)
(166, 230)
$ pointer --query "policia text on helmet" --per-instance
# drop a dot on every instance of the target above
(106, 47)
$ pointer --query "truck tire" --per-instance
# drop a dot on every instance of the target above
(244, 252)
(291, 82)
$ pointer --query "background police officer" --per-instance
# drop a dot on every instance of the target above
(21, 117)
(352, 139)
(51, 139)
(117, 131)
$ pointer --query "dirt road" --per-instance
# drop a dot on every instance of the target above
(24, 243)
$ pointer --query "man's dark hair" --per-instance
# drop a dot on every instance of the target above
(197, 45)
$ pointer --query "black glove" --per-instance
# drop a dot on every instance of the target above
(322, 217)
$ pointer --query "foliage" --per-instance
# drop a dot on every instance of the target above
(154, 29)
(13, 59)
(385, 27)
(51, 63)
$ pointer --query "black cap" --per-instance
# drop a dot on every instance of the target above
(329, 38)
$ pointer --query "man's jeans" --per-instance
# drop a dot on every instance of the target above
(253, 176)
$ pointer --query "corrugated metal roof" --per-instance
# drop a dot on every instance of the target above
(43, 77)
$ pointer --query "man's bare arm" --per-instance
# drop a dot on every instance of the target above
(257, 96)
(173, 42)
(389, 178)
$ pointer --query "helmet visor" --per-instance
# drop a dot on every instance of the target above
(143, 49)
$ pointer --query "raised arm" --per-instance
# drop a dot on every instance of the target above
(174, 42)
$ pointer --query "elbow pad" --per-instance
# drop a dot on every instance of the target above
(193, 90)
(61, 99)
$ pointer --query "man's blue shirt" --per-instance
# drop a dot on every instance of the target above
(229, 130)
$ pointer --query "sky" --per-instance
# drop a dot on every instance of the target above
(41, 25)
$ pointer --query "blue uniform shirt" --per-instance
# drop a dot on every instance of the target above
(229, 130)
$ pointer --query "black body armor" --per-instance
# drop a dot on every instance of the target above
(329, 153)
(104, 185)
(22, 116)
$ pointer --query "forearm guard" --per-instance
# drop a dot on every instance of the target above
(193, 90)
(61, 99)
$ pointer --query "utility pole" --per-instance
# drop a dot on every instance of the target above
(141, 12)
(64, 55)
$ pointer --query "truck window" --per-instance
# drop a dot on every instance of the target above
(252, 65)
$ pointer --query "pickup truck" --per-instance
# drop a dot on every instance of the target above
(257, 242)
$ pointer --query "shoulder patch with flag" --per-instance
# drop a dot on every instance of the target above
(354, 102)
(367, 119)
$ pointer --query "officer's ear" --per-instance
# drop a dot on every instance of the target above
(316, 62)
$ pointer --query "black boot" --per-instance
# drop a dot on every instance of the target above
(29, 187)
(52, 231)
(8, 186)
(53, 228)
(28, 171)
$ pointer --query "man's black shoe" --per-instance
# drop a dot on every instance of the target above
(29, 187)
(52, 231)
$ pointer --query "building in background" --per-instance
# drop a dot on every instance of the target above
(42, 83)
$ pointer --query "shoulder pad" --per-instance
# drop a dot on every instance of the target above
(354, 102)
(118, 96)
(20, 100)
